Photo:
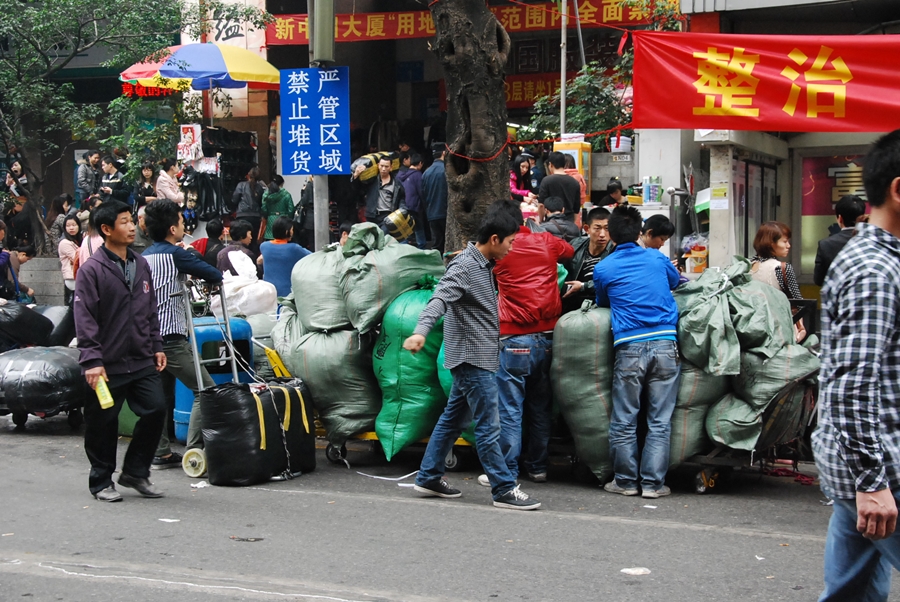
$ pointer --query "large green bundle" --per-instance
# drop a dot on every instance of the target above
(412, 398)
(288, 331)
(315, 283)
(337, 368)
(377, 270)
(581, 376)
(761, 315)
(734, 423)
(762, 378)
(696, 393)
(706, 334)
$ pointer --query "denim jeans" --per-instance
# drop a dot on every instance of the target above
(857, 568)
(474, 393)
(523, 382)
(651, 368)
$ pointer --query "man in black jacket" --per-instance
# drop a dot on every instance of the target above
(112, 186)
(589, 251)
(384, 194)
(555, 221)
(847, 210)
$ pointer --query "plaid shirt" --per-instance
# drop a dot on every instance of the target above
(857, 442)
(468, 296)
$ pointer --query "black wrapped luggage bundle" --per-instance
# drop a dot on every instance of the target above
(41, 380)
(24, 326)
(63, 319)
(242, 431)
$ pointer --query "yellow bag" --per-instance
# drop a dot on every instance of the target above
(371, 163)
(399, 224)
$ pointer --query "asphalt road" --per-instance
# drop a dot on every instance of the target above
(337, 535)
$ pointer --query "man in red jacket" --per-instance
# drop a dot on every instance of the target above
(529, 306)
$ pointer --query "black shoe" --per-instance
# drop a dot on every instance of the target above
(516, 499)
(142, 486)
(109, 495)
(438, 488)
(173, 460)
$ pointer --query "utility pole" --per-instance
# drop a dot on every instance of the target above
(320, 26)
(564, 22)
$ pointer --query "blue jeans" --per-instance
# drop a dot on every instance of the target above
(523, 382)
(857, 568)
(474, 393)
(651, 368)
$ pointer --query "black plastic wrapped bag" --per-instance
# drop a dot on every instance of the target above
(42, 380)
(295, 407)
(63, 319)
(24, 326)
(241, 435)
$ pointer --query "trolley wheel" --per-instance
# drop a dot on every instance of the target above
(75, 418)
(194, 463)
(452, 462)
(705, 480)
(19, 419)
(335, 455)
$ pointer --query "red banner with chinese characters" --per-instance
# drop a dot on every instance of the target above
(361, 27)
(773, 83)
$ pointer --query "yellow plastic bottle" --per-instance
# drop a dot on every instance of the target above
(103, 394)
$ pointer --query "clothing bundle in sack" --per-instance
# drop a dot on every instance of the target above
(23, 325)
(245, 294)
(249, 431)
(400, 224)
(370, 162)
(42, 380)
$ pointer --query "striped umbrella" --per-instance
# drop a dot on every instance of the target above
(205, 66)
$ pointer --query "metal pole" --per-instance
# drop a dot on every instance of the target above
(578, 29)
(320, 183)
(562, 67)
(230, 344)
(193, 335)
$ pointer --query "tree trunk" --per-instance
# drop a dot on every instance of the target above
(472, 46)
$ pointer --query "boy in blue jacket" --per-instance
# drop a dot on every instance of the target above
(636, 284)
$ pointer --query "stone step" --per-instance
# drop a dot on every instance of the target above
(42, 264)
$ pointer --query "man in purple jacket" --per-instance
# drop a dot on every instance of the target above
(118, 336)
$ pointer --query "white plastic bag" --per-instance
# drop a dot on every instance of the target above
(245, 294)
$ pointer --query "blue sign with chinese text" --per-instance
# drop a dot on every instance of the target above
(315, 121)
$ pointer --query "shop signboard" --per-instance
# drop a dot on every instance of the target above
(824, 181)
(763, 82)
(407, 25)
(315, 121)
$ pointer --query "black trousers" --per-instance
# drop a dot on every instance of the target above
(437, 232)
(144, 391)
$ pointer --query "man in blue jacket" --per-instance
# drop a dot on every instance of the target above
(118, 337)
(434, 184)
(636, 284)
(412, 185)
(169, 264)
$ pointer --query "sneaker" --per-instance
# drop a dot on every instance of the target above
(484, 481)
(613, 487)
(652, 495)
(142, 486)
(109, 495)
(438, 488)
(538, 477)
(171, 461)
(516, 499)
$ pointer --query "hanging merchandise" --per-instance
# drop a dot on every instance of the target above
(412, 398)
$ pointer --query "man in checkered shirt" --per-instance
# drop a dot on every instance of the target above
(857, 442)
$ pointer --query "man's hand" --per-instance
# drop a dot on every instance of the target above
(414, 343)
(160, 361)
(93, 376)
(876, 514)
(574, 286)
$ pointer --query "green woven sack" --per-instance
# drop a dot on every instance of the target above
(337, 368)
(697, 391)
(734, 423)
(315, 283)
(581, 376)
(412, 397)
(370, 282)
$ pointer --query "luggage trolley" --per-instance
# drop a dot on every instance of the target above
(194, 460)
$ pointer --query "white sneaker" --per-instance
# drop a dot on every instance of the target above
(483, 480)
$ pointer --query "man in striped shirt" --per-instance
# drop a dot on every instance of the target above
(467, 298)
(169, 263)
(857, 441)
